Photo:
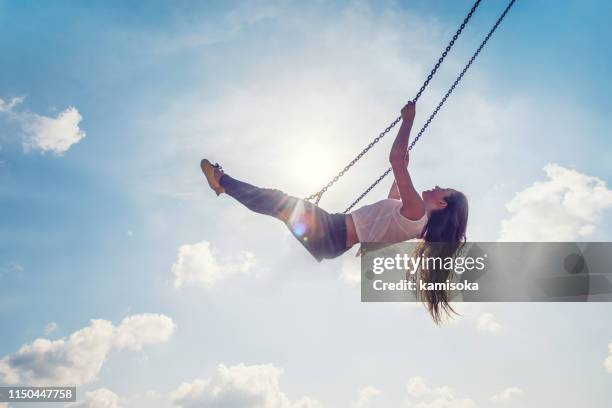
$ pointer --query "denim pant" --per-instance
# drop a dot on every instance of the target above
(321, 233)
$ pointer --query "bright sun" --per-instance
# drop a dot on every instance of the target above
(311, 166)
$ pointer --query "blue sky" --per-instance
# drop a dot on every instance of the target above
(282, 94)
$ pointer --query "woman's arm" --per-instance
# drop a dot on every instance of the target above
(412, 205)
(394, 192)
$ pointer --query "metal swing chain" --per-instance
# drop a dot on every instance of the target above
(317, 196)
(435, 112)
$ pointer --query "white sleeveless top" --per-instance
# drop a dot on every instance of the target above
(382, 222)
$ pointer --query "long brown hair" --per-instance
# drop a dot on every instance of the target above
(443, 236)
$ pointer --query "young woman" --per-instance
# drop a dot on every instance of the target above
(436, 215)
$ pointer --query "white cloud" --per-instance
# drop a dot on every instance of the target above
(306, 402)
(52, 134)
(73, 361)
(507, 394)
(138, 330)
(7, 107)
(608, 361)
(417, 387)
(197, 264)
(78, 359)
(7, 374)
(44, 133)
(566, 207)
(442, 402)
(443, 397)
(366, 394)
(50, 328)
(240, 386)
(488, 323)
(100, 398)
(148, 398)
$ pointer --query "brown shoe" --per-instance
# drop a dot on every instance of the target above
(213, 173)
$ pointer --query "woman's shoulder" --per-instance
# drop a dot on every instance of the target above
(413, 215)
(397, 206)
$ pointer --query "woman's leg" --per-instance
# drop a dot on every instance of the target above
(260, 200)
(321, 233)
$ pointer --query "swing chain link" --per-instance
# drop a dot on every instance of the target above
(317, 196)
(435, 112)
(448, 48)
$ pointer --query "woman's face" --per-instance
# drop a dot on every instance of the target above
(435, 199)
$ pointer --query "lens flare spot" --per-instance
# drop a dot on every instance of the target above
(298, 228)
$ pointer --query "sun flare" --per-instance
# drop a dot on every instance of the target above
(312, 165)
